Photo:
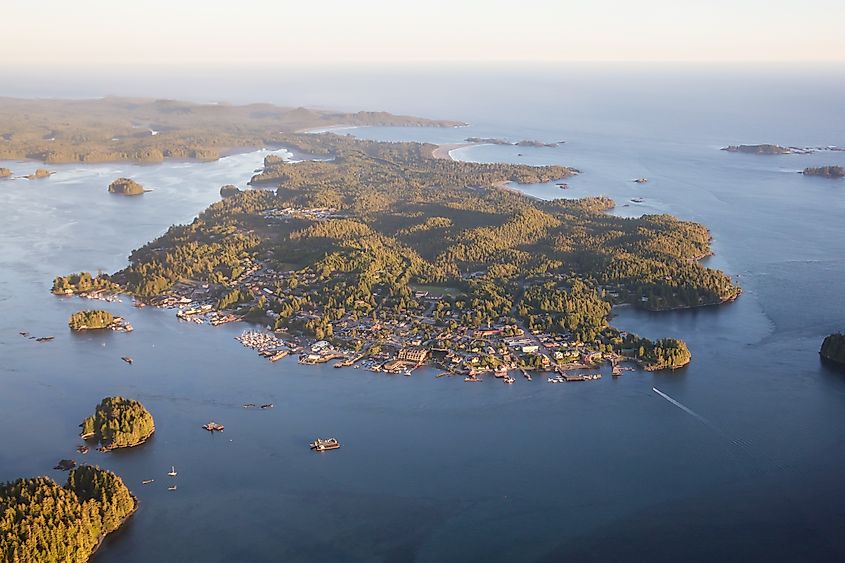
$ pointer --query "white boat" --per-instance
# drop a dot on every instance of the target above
(171, 488)
(172, 471)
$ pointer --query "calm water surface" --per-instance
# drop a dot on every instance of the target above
(436, 470)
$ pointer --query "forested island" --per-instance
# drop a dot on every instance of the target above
(126, 186)
(384, 247)
(825, 171)
(118, 423)
(90, 320)
(5, 173)
(497, 141)
(146, 130)
(39, 174)
(769, 149)
(833, 348)
(42, 522)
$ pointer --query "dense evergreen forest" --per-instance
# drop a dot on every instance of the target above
(833, 348)
(90, 320)
(118, 423)
(42, 522)
(394, 217)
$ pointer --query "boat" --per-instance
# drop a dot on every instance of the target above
(637, 199)
(267, 406)
(172, 471)
(641, 181)
(472, 379)
(147, 481)
(171, 488)
(249, 405)
(127, 359)
(83, 449)
(278, 355)
(509, 380)
(324, 445)
(213, 427)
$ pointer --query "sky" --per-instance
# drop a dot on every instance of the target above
(86, 32)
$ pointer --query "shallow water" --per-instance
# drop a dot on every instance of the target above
(438, 470)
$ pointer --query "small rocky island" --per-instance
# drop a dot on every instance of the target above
(43, 521)
(832, 172)
(118, 423)
(833, 349)
(126, 186)
(39, 174)
(5, 173)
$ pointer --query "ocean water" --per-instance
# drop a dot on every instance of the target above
(745, 464)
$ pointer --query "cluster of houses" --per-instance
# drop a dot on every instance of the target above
(306, 213)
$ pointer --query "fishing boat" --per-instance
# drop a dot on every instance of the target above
(172, 471)
(147, 481)
(171, 488)
(213, 427)
(127, 359)
(509, 380)
(324, 445)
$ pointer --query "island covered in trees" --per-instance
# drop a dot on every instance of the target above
(90, 320)
(118, 423)
(833, 349)
(384, 251)
(126, 186)
(825, 171)
(42, 522)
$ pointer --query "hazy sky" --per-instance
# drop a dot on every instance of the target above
(282, 31)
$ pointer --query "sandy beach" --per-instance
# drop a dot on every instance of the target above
(442, 151)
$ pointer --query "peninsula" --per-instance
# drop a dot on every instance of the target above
(118, 423)
(385, 255)
(148, 130)
(42, 521)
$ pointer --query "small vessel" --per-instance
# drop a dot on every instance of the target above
(509, 380)
(249, 405)
(279, 355)
(324, 444)
(472, 379)
(147, 481)
(213, 427)
(172, 471)
(641, 181)
(127, 359)
(171, 488)
(637, 199)
(267, 406)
